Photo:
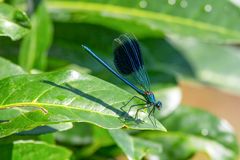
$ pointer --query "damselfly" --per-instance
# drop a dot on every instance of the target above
(128, 62)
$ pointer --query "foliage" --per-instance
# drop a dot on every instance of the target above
(13, 23)
(33, 52)
(53, 106)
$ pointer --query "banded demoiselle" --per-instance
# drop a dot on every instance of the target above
(128, 62)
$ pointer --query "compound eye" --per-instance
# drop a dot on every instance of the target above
(159, 105)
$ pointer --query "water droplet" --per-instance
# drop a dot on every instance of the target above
(7, 24)
(236, 2)
(208, 8)
(183, 3)
(75, 75)
(204, 132)
(171, 2)
(143, 4)
(153, 157)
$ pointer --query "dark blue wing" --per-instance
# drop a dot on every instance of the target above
(128, 60)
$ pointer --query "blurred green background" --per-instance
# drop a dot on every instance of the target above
(192, 55)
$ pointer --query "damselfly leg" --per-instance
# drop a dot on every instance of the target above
(149, 115)
(135, 105)
(130, 101)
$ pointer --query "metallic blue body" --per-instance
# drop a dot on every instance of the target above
(150, 98)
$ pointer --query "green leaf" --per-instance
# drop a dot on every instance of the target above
(205, 66)
(202, 124)
(124, 141)
(86, 139)
(9, 69)
(134, 148)
(189, 131)
(33, 51)
(183, 146)
(13, 113)
(155, 144)
(13, 22)
(66, 96)
(48, 129)
(29, 150)
(100, 139)
(148, 18)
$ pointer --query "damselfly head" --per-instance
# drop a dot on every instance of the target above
(158, 105)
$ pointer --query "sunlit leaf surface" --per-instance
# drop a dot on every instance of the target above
(208, 69)
(203, 124)
(185, 18)
(189, 131)
(29, 150)
(13, 22)
(66, 96)
(9, 69)
(183, 146)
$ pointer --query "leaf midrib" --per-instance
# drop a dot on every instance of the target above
(41, 105)
(113, 9)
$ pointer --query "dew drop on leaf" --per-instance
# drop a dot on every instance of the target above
(171, 2)
(183, 3)
(143, 3)
(208, 8)
(7, 24)
(204, 132)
